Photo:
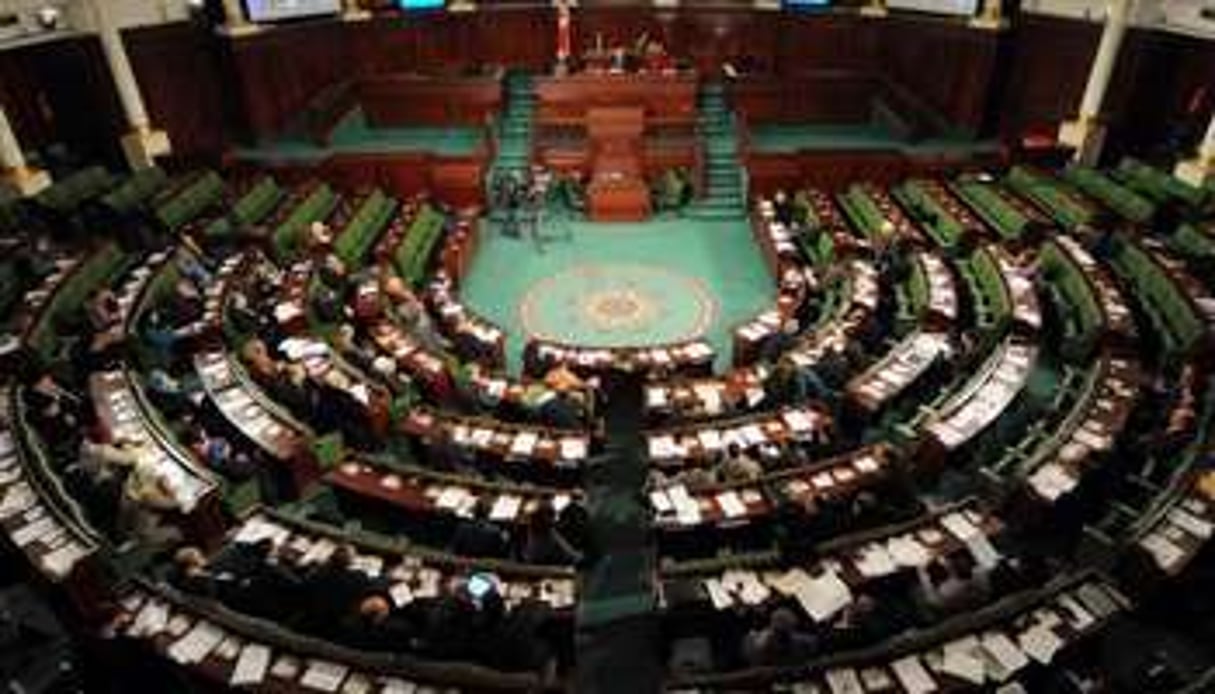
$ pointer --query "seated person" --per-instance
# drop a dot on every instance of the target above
(478, 536)
(103, 309)
(949, 586)
(740, 466)
(190, 572)
(372, 625)
(543, 544)
(780, 643)
(331, 589)
(411, 313)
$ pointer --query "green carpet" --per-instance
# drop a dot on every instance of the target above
(354, 136)
(612, 284)
(781, 139)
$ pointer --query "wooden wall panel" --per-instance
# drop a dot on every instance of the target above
(948, 66)
(1163, 93)
(179, 71)
(277, 73)
(61, 91)
(1049, 59)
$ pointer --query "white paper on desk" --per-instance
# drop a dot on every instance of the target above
(731, 505)
(319, 552)
(1040, 643)
(573, 448)
(753, 435)
(711, 398)
(251, 666)
(1051, 481)
(660, 501)
(718, 595)
(844, 681)
(197, 644)
(822, 596)
(912, 676)
(710, 439)
(369, 564)
(524, 443)
(1078, 617)
(505, 508)
(799, 421)
(1190, 523)
(907, 551)
(323, 675)
(1004, 653)
(560, 501)
(663, 447)
(655, 397)
(59, 563)
(394, 685)
(985, 555)
(960, 526)
(1164, 552)
(874, 560)
(26, 534)
(151, 620)
(962, 661)
(401, 594)
(450, 497)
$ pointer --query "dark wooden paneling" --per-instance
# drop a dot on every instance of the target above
(1049, 63)
(947, 65)
(179, 73)
(61, 91)
(1162, 93)
(277, 73)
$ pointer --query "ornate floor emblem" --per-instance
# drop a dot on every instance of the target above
(617, 304)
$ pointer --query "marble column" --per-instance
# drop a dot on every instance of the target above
(142, 143)
(1200, 170)
(990, 17)
(13, 169)
(352, 11)
(874, 8)
(1086, 134)
(235, 23)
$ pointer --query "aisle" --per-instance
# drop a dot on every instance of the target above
(618, 649)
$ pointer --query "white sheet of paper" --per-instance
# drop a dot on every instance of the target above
(912, 676)
(324, 675)
(251, 666)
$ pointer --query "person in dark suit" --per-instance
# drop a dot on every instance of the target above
(780, 642)
(372, 625)
(478, 536)
(543, 544)
(332, 589)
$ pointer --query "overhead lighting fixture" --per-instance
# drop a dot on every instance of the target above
(48, 17)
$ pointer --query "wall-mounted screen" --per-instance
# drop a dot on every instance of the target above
(274, 10)
(806, 4)
(964, 8)
(421, 4)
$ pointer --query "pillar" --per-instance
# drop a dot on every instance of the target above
(235, 23)
(352, 11)
(1086, 134)
(142, 144)
(874, 8)
(1200, 171)
(990, 17)
(13, 169)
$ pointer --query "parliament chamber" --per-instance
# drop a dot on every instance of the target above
(832, 346)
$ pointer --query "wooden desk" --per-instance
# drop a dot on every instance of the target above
(666, 99)
(621, 200)
(395, 100)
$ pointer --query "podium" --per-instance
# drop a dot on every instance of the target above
(617, 191)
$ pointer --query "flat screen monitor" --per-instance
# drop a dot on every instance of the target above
(964, 8)
(410, 5)
(806, 4)
(275, 10)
